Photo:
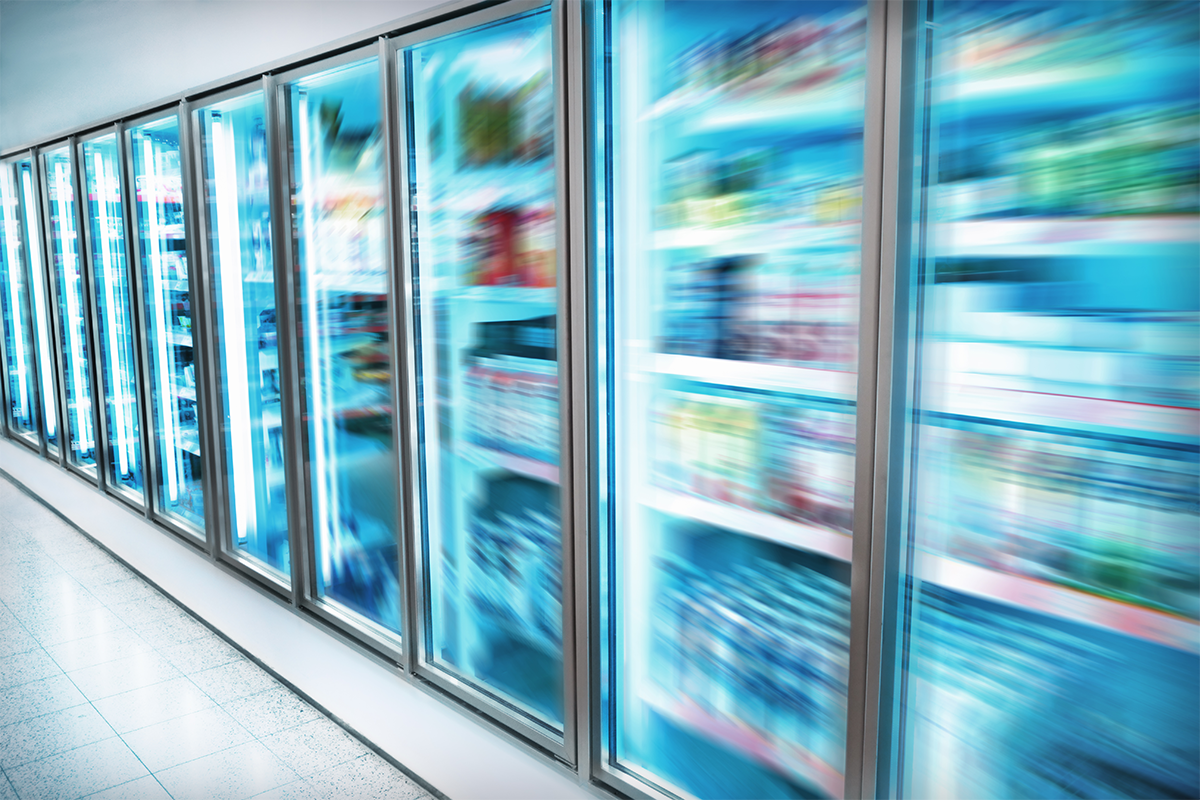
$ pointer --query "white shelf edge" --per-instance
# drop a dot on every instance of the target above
(755, 375)
(750, 522)
(1060, 601)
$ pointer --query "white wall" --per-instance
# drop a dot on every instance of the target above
(67, 63)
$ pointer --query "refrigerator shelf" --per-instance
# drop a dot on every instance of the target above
(758, 238)
(789, 759)
(756, 375)
(1173, 631)
(486, 457)
(506, 295)
(185, 392)
(188, 440)
(1048, 236)
(176, 285)
(750, 522)
(829, 106)
(988, 405)
(177, 336)
(1098, 83)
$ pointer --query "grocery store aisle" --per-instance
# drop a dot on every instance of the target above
(109, 689)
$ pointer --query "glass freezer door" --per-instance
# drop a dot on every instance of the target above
(482, 154)
(114, 317)
(237, 197)
(341, 246)
(72, 309)
(1049, 577)
(39, 300)
(21, 416)
(728, 209)
(158, 193)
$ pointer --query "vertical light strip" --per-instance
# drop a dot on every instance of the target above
(314, 333)
(233, 327)
(107, 275)
(39, 303)
(74, 324)
(12, 231)
(166, 397)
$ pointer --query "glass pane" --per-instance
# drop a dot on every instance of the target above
(237, 192)
(47, 389)
(1050, 573)
(483, 187)
(21, 415)
(114, 321)
(72, 305)
(729, 180)
(154, 149)
(340, 229)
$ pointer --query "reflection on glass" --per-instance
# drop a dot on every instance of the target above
(47, 389)
(728, 306)
(340, 227)
(1052, 564)
(158, 186)
(237, 193)
(114, 320)
(482, 161)
(72, 305)
(21, 415)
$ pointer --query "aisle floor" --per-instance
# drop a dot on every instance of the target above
(108, 689)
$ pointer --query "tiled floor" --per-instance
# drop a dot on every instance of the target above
(110, 690)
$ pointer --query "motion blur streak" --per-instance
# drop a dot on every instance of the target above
(1053, 554)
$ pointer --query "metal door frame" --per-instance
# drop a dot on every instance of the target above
(493, 708)
(142, 508)
(37, 444)
(342, 618)
(218, 517)
(179, 527)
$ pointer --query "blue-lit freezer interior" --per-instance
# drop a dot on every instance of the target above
(237, 196)
(482, 176)
(71, 293)
(340, 229)
(159, 225)
(39, 300)
(1051, 575)
(21, 416)
(730, 166)
(114, 317)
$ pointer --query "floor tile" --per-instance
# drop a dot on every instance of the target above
(15, 640)
(145, 788)
(68, 628)
(314, 746)
(147, 611)
(239, 772)
(200, 655)
(119, 643)
(25, 667)
(176, 631)
(78, 772)
(39, 737)
(102, 574)
(7, 620)
(7, 792)
(186, 738)
(236, 679)
(296, 790)
(125, 674)
(271, 711)
(132, 590)
(152, 704)
(39, 697)
(366, 776)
